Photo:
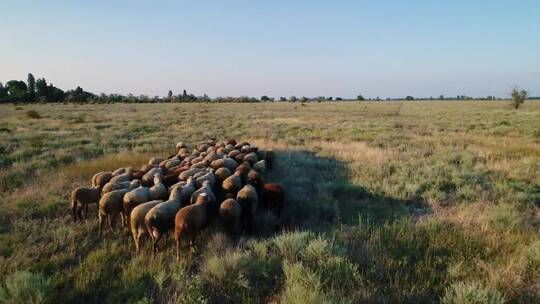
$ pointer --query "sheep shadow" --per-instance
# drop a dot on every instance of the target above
(320, 194)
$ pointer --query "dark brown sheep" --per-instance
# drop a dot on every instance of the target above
(273, 198)
(81, 197)
(230, 213)
(189, 221)
(243, 169)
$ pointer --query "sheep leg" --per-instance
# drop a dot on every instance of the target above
(178, 249)
(101, 223)
(112, 220)
(155, 245)
(86, 211)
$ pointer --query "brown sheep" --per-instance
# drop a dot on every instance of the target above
(251, 158)
(110, 206)
(189, 221)
(100, 179)
(244, 169)
(255, 179)
(160, 219)
(81, 197)
(232, 184)
(122, 185)
(273, 198)
(138, 229)
(230, 213)
(222, 174)
(247, 198)
(229, 163)
(126, 176)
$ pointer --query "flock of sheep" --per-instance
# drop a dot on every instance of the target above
(185, 192)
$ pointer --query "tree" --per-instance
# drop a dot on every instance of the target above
(282, 98)
(169, 95)
(3, 91)
(265, 98)
(17, 89)
(339, 99)
(518, 97)
(41, 87)
(441, 97)
(304, 99)
(360, 98)
(31, 86)
(293, 98)
(409, 98)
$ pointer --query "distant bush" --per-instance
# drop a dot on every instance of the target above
(518, 96)
(26, 287)
(471, 293)
(33, 114)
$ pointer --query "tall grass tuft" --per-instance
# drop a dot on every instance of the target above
(471, 293)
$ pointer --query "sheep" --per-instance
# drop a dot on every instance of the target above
(122, 185)
(229, 163)
(180, 146)
(158, 191)
(119, 171)
(260, 166)
(248, 199)
(256, 179)
(232, 153)
(148, 177)
(126, 176)
(222, 174)
(160, 219)
(100, 179)
(251, 158)
(134, 198)
(138, 229)
(137, 174)
(231, 141)
(240, 157)
(230, 213)
(209, 176)
(110, 206)
(273, 197)
(190, 220)
(243, 169)
(83, 196)
(270, 157)
(188, 173)
(154, 161)
(261, 154)
(232, 184)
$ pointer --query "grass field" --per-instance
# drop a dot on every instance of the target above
(413, 202)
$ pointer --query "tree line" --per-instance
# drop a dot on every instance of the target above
(39, 91)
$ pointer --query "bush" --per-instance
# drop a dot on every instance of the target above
(301, 285)
(290, 244)
(33, 114)
(471, 293)
(26, 287)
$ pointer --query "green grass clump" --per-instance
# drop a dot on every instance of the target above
(471, 293)
(33, 114)
(26, 287)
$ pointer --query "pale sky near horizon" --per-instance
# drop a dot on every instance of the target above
(275, 48)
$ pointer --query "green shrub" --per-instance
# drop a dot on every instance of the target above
(33, 114)
(471, 293)
(290, 244)
(26, 287)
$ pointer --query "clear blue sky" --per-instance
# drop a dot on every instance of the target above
(277, 48)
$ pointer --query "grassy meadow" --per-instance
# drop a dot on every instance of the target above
(386, 202)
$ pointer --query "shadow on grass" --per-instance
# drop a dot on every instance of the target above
(319, 194)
